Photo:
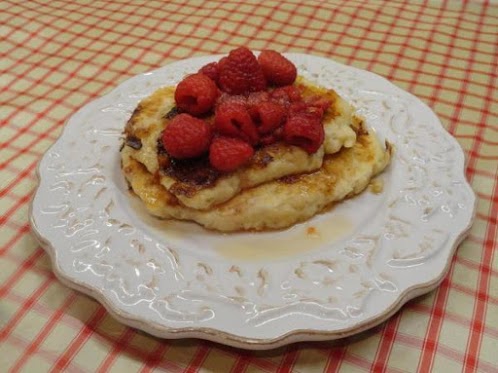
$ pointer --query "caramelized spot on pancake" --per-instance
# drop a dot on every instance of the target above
(261, 158)
(163, 161)
(172, 113)
(191, 174)
(360, 129)
(143, 132)
(160, 146)
(156, 177)
(131, 122)
(133, 142)
(290, 179)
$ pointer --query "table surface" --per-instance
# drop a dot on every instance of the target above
(59, 55)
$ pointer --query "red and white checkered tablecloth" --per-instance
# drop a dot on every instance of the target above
(56, 56)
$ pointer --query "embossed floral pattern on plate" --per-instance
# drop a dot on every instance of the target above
(174, 281)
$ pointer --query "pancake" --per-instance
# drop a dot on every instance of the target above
(196, 184)
(276, 204)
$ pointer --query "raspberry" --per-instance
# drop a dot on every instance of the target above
(227, 154)
(233, 119)
(267, 116)
(196, 94)
(211, 70)
(186, 137)
(240, 73)
(286, 95)
(304, 131)
(277, 69)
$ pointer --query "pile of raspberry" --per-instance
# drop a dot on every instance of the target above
(254, 102)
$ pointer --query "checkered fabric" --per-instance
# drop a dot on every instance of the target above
(56, 56)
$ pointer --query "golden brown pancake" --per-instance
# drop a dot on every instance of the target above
(273, 205)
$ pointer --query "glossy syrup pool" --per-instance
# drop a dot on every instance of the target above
(303, 237)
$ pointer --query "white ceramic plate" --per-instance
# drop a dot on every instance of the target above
(367, 257)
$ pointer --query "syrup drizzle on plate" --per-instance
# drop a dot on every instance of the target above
(301, 238)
